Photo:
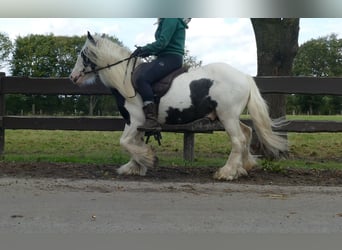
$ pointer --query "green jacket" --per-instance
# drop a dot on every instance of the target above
(170, 37)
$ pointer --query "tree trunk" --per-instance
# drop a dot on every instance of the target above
(92, 103)
(277, 45)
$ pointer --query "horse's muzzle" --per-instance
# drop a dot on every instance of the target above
(74, 79)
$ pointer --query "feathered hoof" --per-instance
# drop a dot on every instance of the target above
(250, 163)
(227, 174)
(132, 168)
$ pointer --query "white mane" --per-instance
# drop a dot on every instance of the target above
(105, 52)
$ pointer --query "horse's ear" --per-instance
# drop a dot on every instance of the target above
(91, 38)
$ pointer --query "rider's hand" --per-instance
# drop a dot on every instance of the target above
(140, 52)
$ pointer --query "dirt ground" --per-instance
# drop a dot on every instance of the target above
(257, 176)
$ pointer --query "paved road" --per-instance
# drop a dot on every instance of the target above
(63, 206)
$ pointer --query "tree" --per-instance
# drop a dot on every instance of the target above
(5, 49)
(191, 61)
(320, 57)
(45, 56)
(277, 45)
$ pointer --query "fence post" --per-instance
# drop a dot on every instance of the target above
(2, 110)
(188, 146)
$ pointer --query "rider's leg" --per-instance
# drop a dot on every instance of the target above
(152, 73)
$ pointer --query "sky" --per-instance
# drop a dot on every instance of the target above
(229, 40)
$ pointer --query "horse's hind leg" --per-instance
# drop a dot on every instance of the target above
(234, 166)
(248, 160)
(142, 156)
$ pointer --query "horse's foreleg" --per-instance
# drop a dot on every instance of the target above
(234, 166)
(142, 156)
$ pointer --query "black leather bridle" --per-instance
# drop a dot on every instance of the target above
(87, 62)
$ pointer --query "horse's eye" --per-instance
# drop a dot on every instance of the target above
(85, 59)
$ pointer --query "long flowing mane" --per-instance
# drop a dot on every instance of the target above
(102, 51)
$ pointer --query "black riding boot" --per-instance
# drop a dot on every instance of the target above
(151, 114)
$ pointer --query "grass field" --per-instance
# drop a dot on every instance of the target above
(318, 150)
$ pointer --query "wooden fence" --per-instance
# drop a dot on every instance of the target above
(267, 85)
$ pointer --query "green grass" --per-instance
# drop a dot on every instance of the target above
(63, 146)
(314, 150)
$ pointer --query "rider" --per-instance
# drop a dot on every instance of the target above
(168, 48)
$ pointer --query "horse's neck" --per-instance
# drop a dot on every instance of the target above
(119, 77)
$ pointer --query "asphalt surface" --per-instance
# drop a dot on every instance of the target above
(88, 206)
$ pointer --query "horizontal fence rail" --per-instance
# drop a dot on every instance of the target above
(118, 124)
(46, 86)
(63, 86)
(300, 85)
(64, 123)
(267, 85)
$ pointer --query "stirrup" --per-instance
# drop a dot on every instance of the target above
(156, 135)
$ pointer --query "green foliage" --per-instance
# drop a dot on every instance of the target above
(32, 104)
(45, 56)
(5, 49)
(272, 166)
(191, 61)
(320, 57)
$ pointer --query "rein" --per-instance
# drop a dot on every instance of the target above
(108, 66)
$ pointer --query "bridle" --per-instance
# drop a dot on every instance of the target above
(88, 62)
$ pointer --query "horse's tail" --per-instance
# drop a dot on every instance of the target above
(263, 124)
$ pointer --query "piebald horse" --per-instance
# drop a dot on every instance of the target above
(215, 90)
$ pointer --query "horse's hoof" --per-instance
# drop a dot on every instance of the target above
(222, 177)
(132, 169)
(228, 175)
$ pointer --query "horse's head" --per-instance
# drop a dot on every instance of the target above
(104, 57)
(84, 69)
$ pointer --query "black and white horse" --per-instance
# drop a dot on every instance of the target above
(215, 90)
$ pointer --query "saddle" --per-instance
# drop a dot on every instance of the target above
(161, 87)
